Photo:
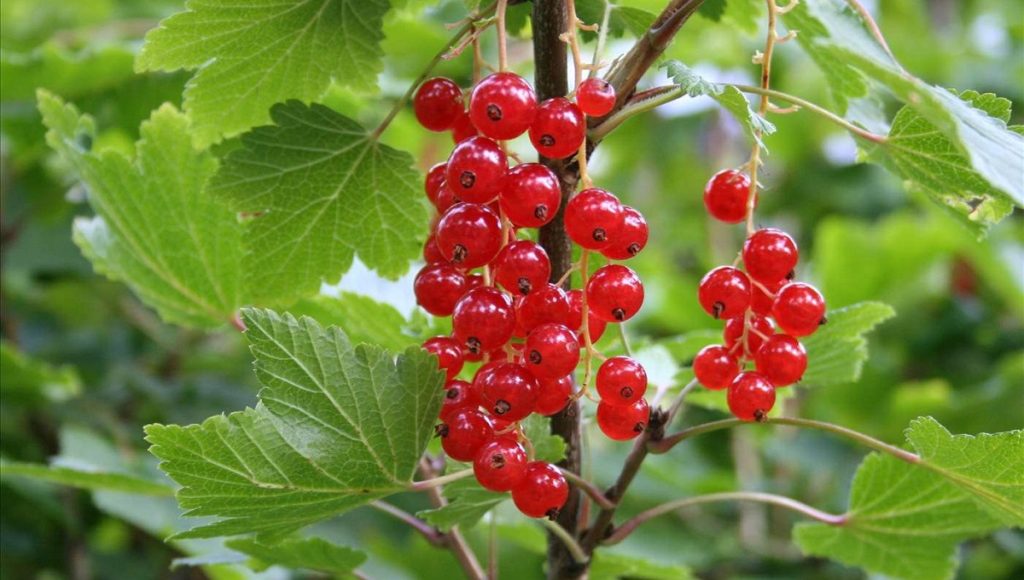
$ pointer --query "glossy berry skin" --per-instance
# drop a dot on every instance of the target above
(760, 301)
(438, 287)
(623, 422)
(542, 492)
(714, 367)
(615, 293)
(530, 195)
(552, 351)
(593, 218)
(448, 353)
(553, 395)
(432, 253)
(725, 196)
(434, 182)
(522, 266)
(542, 305)
(469, 235)
(458, 395)
(724, 292)
(595, 97)
(446, 198)
(631, 238)
(438, 102)
(621, 380)
(463, 128)
(770, 255)
(464, 432)
(750, 396)
(509, 391)
(558, 129)
(500, 464)
(734, 333)
(782, 360)
(503, 106)
(475, 169)
(596, 325)
(799, 309)
(483, 320)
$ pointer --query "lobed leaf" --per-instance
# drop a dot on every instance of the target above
(837, 351)
(467, 504)
(307, 553)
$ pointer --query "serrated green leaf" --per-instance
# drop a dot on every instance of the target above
(179, 249)
(621, 19)
(28, 379)
(546, 447)
(337, 427)
(84, 478)
(362, 318)
(317, 190)
(252, 54)
(613, 566)
(467, 504)
(307, 553)
(906, 520)
(837, 351)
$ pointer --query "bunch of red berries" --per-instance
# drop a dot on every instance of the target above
(526, 331)
(749, 301)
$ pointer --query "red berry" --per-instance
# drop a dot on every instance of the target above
(799, 309)
(593, 218)
(547, 303)
(575, 321)
(558, 129)
(725, 196)
(503, 105)
(522, 266)
(782, 360)
(552, 351)
(714, 367)
(770, 255)
(631, 238)
(475, 169)
(463, 128)
(615, 293)
(530, 195)
(500, 464)
(621, 380)
(469, 235)
(724, 292)
(734, 333)
(508, 391)
(622, 422)
(483, 320)
(437, 103)
(432, 253)
(434, 181)
(448, 353)
(750, 397)
(438, 287)
(464, 432)
(446, 198)
(760, 301)
(596, 97)
(458, 395)
(553, 395)
(542, 492)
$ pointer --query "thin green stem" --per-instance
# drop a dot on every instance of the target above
(624, 339)
(677, 404)
(438, 481)
(573, 547)
(817, 109)
(592, 491)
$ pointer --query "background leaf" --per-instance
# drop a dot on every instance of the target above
(308, 554)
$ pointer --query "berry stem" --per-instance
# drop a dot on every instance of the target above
(588, 353)
(441, 480)
(677, 404)
(573, 547)
(624, 339)
(502, 5)
(592, 491)
(624, 530)
(432, 535)
(577, 62)
(765, 59)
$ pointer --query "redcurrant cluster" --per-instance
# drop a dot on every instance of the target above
(749, 301)
(526, 332)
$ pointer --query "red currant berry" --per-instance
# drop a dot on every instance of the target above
(621, 380)
(448, 353)
(724, 292)
(799, 309)
(714, 367)
(438, 287)
(542, 492)
(475, 169)
(544, 304)
(469, 235)
(503, 105)
(446, 198)
(509, 391)
(553, 395)
(593, 218)
(770, 255)
(437, 103)
(596, 325)
(463, 128)
(500, 464)
(552, 351)
(733, 334)
(782, 360)
(760, 301)
(631, 238)
(725, 196)
(483, 320)
(596, 97)
(464, 432)
(432, 253)
(521, 267)
(530, 195)
(458, 395)
(750, 397)
(558, 129)
(615, 293)
(434, 181)
(622, 422)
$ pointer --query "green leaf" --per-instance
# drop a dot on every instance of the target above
(362, 318)
(546, 447)
(467, 504)
(712, 9)
(69, 73)
(28, 379)
(906, 520)
(252, 54)
(338, 426)
(621, 19)
(317, 190)
(308, 553)
(837, 351)
(179, 249)
(84, 477)
(613, 565)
